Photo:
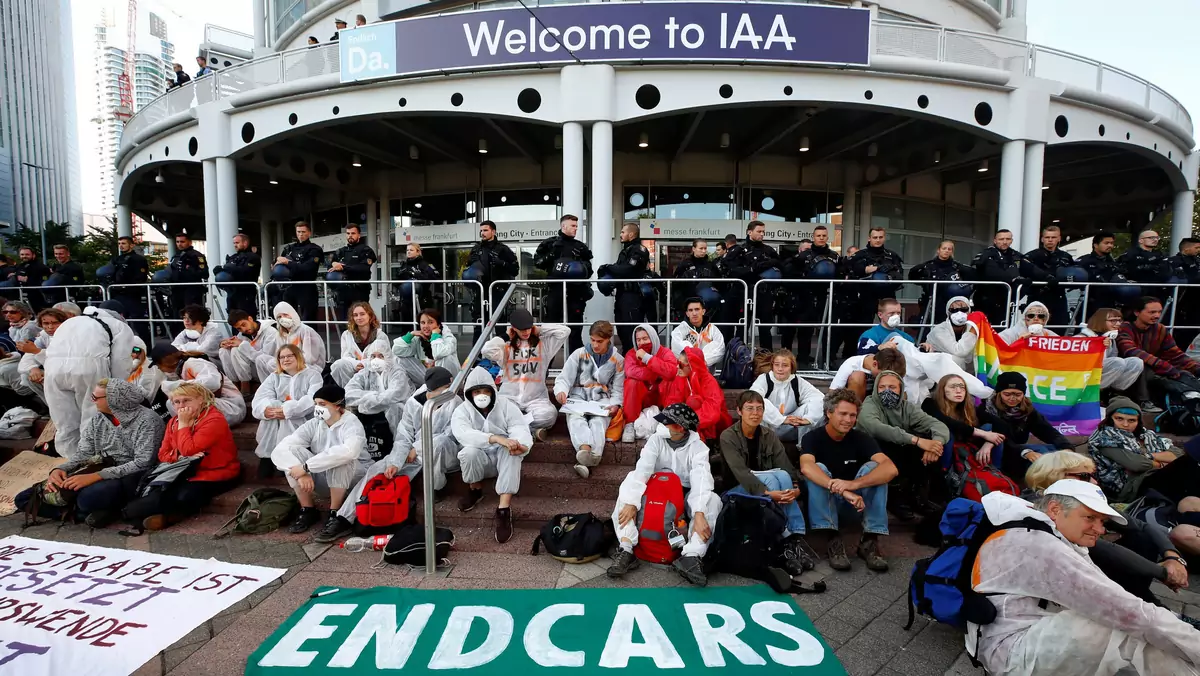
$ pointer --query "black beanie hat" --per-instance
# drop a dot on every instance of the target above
(437, 377)
(331, 393)
(1010, 380)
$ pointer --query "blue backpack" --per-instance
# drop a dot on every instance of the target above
(737, 371)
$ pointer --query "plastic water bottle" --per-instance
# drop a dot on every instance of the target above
(375, 542)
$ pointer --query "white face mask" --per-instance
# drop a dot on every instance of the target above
(1111, 334)
(137, 362)
(377, 365)
(482, 400)
(958, 318)
(893, 321)
(191, 334)
(287, 322)
(322, 413)
(1035, 328)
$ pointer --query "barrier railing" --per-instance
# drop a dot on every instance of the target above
(74, 292)
(1081, 296)
(159, 304)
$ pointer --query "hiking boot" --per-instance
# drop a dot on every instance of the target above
(868, 550)
(622, 562)
(473, 497)
(266, 469)
(307, 518)
(837, 554)
(101, 518)
(690, 568)
(504, 524)
(627, 435)
(335, 528)
(160, 521)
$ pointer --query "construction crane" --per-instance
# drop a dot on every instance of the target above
(124, 111)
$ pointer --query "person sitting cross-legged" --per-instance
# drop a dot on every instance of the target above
(793, 405)
(329, 451)
(647, 366)
(675, 448)
(1169, 369)
(240, 352)
(755, 458)
(592, 379)
(697, 331)
(846, 473)
(283, 403)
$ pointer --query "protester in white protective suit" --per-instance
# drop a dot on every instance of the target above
(430, 345)
(292, 331)
(32, 368)
(524, 360)
(199, 335)
(696, 331)
(591, 388)
(789, 416)
(675, 448)
(283, 403)
(327, 452)
(405, 458)
(87, 348)
(178, 369)
(144, 375)
(23, 331)
(240, 353)
(495, 438)
(1031, 321)
(1090, 625)
(957, 335)
(1123, 374)
(362, 331)
(382, 387)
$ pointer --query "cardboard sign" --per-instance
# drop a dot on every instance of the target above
(23, 471)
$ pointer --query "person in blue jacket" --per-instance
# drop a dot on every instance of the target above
(888, 327)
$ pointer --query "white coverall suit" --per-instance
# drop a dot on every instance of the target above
(480, 459)
(10, 366)
(294, 394)
(301, 335)
(782, 403)
(207, 342)
(347, 365)
(583, 381)
(445, 446)
(371, 392)
(229, 400)
(523, 371)
(411, 355)
(29, 362)
(336, 456)
(708, 339)
(239, 362)
(81, 354)
(690, 464)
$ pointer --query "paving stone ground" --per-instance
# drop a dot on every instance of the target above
(861, 615)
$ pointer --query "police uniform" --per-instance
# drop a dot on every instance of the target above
(938, 270)
(1054, 297)
(243, 266)
(495, 262)
(628, 308)
(72, 275)
(554, 255)
(886, 262)
(131, 268)
(1187, 268)
(356, 260)
(29, 276)
(1147, 268)
(1009, 266)
(1100, 268)
(808, 301)
(747, 262)
(304, 259)
(695, 268)
(415, 269)
(188, 267)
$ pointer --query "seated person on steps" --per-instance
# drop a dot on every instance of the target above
(328, 452)
(593, 377)
(524, 362)
(292, 331)
(888, 311)
(200, 337)
(696, 331)
(408, 435)
(430, 345)
(1013, 415)
(177, 369)
(283, 403)
(382, 387)
(647, 365)
(362, 331)
(858, 373)
(495, 438)
(793, 405)
(240, 353)
(1126, 375)
(956, 336)
(31, 368)
(675, 447)
(696, 388)
(1169, 369)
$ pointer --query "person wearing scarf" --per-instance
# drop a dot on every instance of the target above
(593, 376)
(1132, 460)
(430, 345)
(1012, 414)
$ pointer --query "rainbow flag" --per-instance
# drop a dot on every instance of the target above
(1063, 373)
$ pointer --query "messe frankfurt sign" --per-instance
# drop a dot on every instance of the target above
(608, 32)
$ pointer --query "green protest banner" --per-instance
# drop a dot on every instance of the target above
(723, 630)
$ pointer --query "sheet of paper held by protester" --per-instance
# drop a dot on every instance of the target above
(75, 610)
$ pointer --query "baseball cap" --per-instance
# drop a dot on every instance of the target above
(521, 319)
(1089, 494)
(681, 415)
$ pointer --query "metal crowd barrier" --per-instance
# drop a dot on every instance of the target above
(1079, 299)
(24, 291)
(159, 309)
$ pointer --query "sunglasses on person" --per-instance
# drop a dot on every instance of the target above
(12, 312)
(1037, 316)
(1082, 476)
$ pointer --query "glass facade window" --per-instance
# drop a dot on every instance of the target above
(692, 202)
(445, 209)
(536, 204)
(915, 228)
(791, 206)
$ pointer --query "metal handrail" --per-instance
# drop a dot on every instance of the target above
(22, 290)
(427, 411)
(1170, 303)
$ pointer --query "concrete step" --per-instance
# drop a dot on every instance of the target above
(528, 512)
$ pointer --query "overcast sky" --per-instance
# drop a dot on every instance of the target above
(1140, 37)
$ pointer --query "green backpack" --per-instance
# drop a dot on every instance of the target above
(263, 511)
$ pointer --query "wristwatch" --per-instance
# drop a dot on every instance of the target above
(1174, 558)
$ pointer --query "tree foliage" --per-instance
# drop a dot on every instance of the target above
(93, 250)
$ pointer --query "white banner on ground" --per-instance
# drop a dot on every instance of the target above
(75, 610)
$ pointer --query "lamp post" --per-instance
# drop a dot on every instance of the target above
(38, 204)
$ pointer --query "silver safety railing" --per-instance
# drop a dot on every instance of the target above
(431, 406)
(79, 290)
(159, 304)
(1079, 296)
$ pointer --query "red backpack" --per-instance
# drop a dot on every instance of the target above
(384, 501)
(972, 480)
(661, 515)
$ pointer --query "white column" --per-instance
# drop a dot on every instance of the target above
(124, 221)
(212, 215)
(1012, 182)
(601, 225)
(1031, 209)
(1181, 219)
(227, 206)
(572, 187)
(259, 8)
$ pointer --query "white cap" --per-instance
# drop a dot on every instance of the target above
(1089, 494)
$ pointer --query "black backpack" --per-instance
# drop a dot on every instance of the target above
(575, 538)
(795, 388)
(748, 537)
(407, 546)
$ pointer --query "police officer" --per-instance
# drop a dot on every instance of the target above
(1100, 266)
(64, 272)
(632, 262)
(187, 267)
(941, 268)
(1143, 265)
(30, 274)
(302, 259)
(1052, 259)
(128, 267)
(816, 262)
(564, 257)
(875, 261)
(1186, 264)
(490, 260)
(696, 266)
(750, 262)
(1002, 263)
(243, 265)
(354, 261)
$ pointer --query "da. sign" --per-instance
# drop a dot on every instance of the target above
(368, 52)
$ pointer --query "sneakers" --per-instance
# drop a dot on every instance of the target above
(266, 469)
(307, 518)
(627, 435)
(868, 550)
(473, 497)
(584, 460)
(159, 521)
(582, 471)
(335, 528)
(796, 544)
(837, 554)
(690, 568)
(540, 435)
(504, 524)
(622, 562)
(1149, 407)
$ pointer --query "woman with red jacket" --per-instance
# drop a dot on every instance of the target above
(197, 428)
(647, 365)
(695, 387)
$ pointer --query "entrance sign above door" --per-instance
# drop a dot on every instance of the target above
(608, 32)
(583, 632)
(688, 229)
(515, 231)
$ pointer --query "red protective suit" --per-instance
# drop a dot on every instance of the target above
(643, 381)
(700, 392)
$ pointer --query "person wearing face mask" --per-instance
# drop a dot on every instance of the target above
(177, 368)
(430, 345)
(1122, 374)
(956, 336)
(1013, 415)
(793, 406)
(362, 331)
(647, 366)
(524, 362)
(592, 380)
(282, 403)
(495, 438)
(292, 331)
(912, 438)
(199, 335)
(676, 448)
(888, 312)
(377, 394)
(31, 368)
(1031, 321)
(239, 354)
(145, 376)
(408, 446)
(327, 453)
(696, 331)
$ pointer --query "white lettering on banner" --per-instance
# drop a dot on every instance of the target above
(1060, 344)
(523, 231)
(656, 228)
(80, 610)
